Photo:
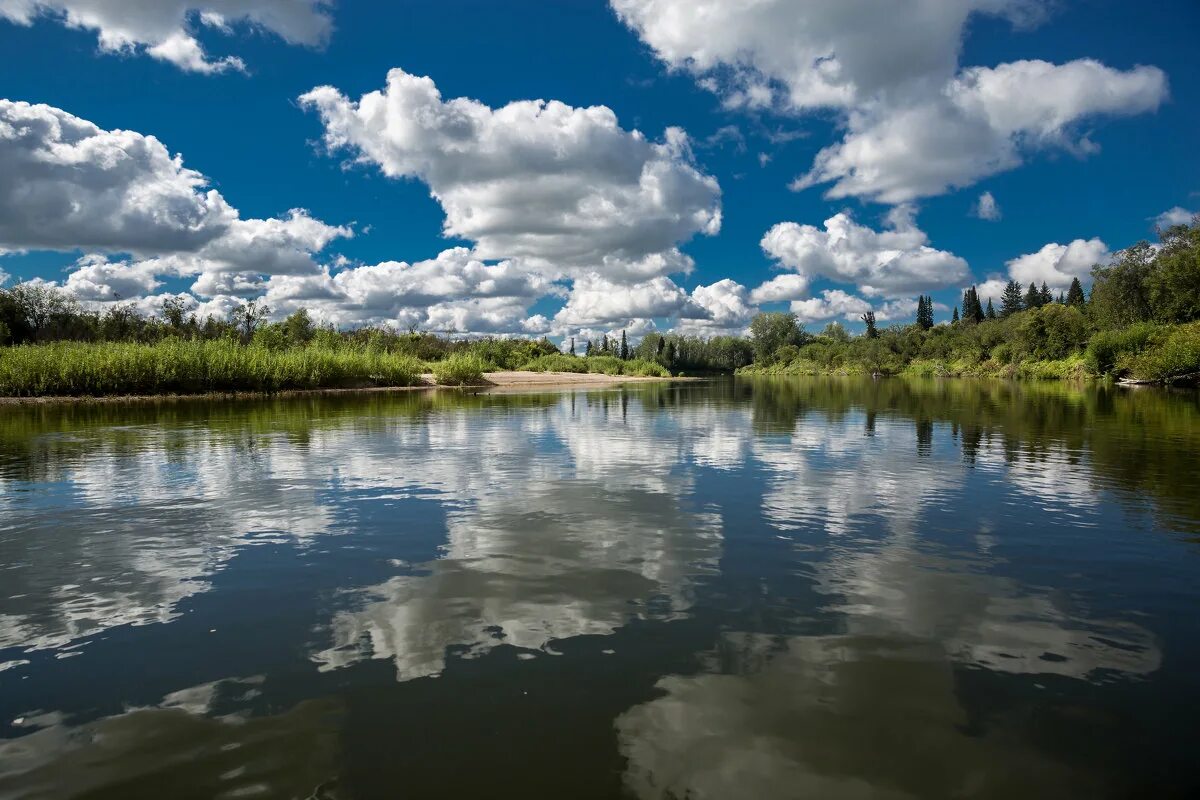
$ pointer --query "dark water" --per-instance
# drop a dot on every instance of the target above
(787, 589)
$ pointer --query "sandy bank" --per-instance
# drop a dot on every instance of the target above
(491, 381)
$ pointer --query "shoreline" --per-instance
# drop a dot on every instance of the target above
(505, 380)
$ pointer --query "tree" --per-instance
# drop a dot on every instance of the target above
(1010, 301)
(572, 345)
(869, 320)
(1173, 287)
(624, 346)
(299, 327)
(836, 331)
(604, 345)
(173, 310)
(1120, 291)
(972, 310)
(247, 317)
(1033, 298)
(587, 347)
(1075, 294)
(771, 330)
(954, 316)
(991, 310)
(925, 312)
(1046, 298)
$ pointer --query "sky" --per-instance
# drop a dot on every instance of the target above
(575, 167)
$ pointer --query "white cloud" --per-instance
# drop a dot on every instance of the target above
(831, 304)
(892, 263)
(789, 286)
(725, 310)
(454, 291)
(596, 302)
(68, 184)
(915, 124)
(982, 123)
(987, 208)
(564, 189)
(1056, 264)
(1174, 216)
(164, 29)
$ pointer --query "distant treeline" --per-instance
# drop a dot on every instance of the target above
(1141, 320)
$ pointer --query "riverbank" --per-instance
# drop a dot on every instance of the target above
(490, 381)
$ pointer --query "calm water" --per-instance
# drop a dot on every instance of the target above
(783, 589)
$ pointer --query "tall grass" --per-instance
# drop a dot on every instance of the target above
(177, 366)
(461, 369)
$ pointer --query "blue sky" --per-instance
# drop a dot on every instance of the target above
(1080, 124)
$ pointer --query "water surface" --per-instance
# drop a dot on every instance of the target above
(784, 588)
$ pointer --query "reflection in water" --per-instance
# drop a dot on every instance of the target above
(770, 588)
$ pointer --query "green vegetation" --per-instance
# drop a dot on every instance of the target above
(1141, 323)
(178, 366)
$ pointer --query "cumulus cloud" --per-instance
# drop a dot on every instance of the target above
(1057, 264)
(564, 189)
(165, 29)
(595, 301)
(726, 308)
(1174, 216)
(894, 262)
(984, 122)
(831, 304)
(68, 184)
(986, 207)
(915, 124)
(454, 291)
(789, 286)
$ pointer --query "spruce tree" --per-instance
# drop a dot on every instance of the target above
(604, 344)
(1010, 301)
(869, 320)
(587, 347)
(976, 306)
(954, 316)
(991, 310)
(1047, 298)
(1075, 293)
(1033, 298)
(925, 312)
(624, 346)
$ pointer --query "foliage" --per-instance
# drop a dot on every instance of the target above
(556, 363)
(178, 366)
(461, 369)
(771, 330)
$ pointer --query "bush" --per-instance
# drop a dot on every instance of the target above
(1178, 356)
(644, 368)
(461, 369)
(605, 365)
(555, 363)
(1108, 347)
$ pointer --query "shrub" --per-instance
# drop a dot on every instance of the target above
(606, 365)
(461, 369)
(1108, 347)
(556, 363)
(1176, 357)
(645, 368)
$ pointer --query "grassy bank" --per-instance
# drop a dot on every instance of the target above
(176, 366)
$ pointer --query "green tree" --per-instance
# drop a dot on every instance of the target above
(991, 310)
(572, 345)
(298, 327)
(1120, 292)
(771, 330)
(624, 346)
(1010, 301)
(925, 312)
(954, 316)
(1044, 296)
(1173, 287)
(1033, 298)
(869, 320)
(247, 317)
(1075, 296)
(836, 331)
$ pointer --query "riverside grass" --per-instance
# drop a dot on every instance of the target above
(178, 366)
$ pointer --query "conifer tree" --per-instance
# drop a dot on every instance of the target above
(1010, 301)
(1075, 293)
(624, 346)
(925, 312)
(991, 310)
(1033, 298)
(954, 316)
(604, 344)
(587, 348)
(572, 345)
(1046, 298)
(869, 320)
